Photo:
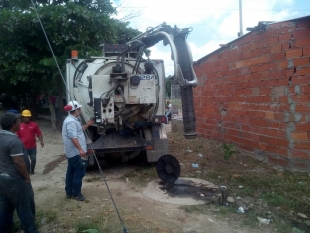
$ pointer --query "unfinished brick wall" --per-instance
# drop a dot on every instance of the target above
(255, 93)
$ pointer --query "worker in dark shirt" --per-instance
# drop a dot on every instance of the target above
(15, 187)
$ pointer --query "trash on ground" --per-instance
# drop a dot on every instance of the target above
(240, 186)
(215, 209)
(195, 165)
(263, 220)
(300, 215)
(240, 210)
(188, 150)
(230, 199)
(200, 155)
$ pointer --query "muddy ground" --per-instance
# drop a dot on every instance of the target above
(127, 183)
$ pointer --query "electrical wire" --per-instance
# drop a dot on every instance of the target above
(116, 209)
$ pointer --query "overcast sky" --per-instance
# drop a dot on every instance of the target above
(213, 22)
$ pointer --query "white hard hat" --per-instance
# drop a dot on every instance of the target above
(73, 105)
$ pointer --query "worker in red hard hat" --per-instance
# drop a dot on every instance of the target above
(75, 149)
(27, 134)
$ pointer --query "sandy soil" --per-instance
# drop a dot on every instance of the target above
(48, 184)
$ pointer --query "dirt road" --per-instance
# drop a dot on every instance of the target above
(138, 212)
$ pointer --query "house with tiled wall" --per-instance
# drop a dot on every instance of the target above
(255, 92)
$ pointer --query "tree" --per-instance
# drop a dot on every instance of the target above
(168, 86)
(25, 57)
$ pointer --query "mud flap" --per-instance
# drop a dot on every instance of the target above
(161, 144)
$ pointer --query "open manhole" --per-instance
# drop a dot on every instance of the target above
(184, 191)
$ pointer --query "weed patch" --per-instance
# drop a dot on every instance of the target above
(93, 178)
(281, 191)
(41, 189)
(84, 225)
(43, 217)
(142, 175)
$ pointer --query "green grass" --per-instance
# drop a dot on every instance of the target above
(197, 148)
(250, 219)
(284, 201)
(283, 227)
(281, 190)
(41, 189)
(276, 188)
(194, 209)
(93, 178)
(277, 191)
(84, 225)
(142, 175)
(107, 221)
(43, 217)
(246, 191)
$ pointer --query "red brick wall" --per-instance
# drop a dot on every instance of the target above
(255, 93)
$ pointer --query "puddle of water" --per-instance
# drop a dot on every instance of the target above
(187, 188)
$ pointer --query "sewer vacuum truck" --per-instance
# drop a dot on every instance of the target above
(124, 94)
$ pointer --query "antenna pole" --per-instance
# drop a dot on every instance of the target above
(240, 16)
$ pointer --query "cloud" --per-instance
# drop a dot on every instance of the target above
(213, 22)
(163, 52)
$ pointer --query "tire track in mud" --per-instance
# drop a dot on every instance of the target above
(53, 164)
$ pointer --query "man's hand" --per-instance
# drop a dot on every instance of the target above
(90, 122)
(82, 153)
(21, 167)
(76, 143)
(41, 140)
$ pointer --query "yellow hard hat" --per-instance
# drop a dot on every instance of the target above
(26, 113)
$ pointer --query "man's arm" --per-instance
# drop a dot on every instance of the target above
(76, 143)
(39, 134)
(41, 140)
(72, 134)
(21, 167)
(89, 123)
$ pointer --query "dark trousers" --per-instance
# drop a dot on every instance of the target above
(75, 172)
(32, 153)
(16, 194)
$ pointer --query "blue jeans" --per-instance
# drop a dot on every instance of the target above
(167, 115)
(16, 194)
(76, 170)
(32, 153)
